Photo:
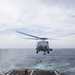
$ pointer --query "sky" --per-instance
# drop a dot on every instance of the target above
(42, 18)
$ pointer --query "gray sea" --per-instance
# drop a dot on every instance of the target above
(63, 60)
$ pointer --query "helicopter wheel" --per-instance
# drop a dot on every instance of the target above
(48, 52)
(37, 52)
(44, 53)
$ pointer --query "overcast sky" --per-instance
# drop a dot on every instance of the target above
(43, 18)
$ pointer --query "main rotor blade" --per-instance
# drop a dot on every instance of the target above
(69, 34)
(28, 34)
(32, 38)
(64, 35)
(52, 39)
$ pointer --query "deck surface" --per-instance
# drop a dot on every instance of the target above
(32, 72)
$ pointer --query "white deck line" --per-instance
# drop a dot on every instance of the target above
(9, 72)
(32, 72)
(56, 73)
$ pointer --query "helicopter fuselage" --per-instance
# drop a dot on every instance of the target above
(43, 46)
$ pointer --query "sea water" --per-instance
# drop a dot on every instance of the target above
(63, 60)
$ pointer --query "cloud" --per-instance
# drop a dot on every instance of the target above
(64, 3)
(38, 17)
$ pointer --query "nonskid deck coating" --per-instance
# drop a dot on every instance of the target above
(33, 72)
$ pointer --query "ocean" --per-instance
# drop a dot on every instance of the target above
(63, 60)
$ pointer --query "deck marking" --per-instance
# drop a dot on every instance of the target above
(32, 72)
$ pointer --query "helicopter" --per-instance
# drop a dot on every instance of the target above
(42, 45)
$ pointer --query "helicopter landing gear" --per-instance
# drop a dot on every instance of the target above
(50, 49)
(48, 52)
(37, 52)
(44, 53)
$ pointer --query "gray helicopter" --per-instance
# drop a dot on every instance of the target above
(42, 45)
